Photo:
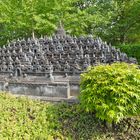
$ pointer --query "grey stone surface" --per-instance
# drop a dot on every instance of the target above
(59, 54)
(37, 89)
(51, 66)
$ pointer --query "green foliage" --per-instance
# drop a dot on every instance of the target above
(114, 21)
(26, 119)
(29, 17)
(21, 118)
(111, 91)
(131, 50)
(123, 25)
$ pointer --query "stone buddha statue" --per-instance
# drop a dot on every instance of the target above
(10, 67)
(3, 67)
(67, 67)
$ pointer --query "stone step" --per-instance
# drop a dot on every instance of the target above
(71, 99)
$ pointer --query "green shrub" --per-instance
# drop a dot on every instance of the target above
(131, 50)
(111, 91)
(21, 118)
(25, 119)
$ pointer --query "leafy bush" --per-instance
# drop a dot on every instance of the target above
(21, 118)
(111, 91)
(131, 50)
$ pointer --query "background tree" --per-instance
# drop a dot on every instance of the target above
(116, 21)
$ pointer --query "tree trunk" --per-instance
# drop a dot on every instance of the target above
(33, 34)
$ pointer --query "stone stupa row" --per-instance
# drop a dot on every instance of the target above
(59, 54)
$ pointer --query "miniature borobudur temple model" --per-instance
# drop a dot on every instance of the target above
(55, 57)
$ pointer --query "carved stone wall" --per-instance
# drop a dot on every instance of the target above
(60, 54)
(43, 67)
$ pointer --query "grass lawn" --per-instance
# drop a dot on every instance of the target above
(25, 119)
